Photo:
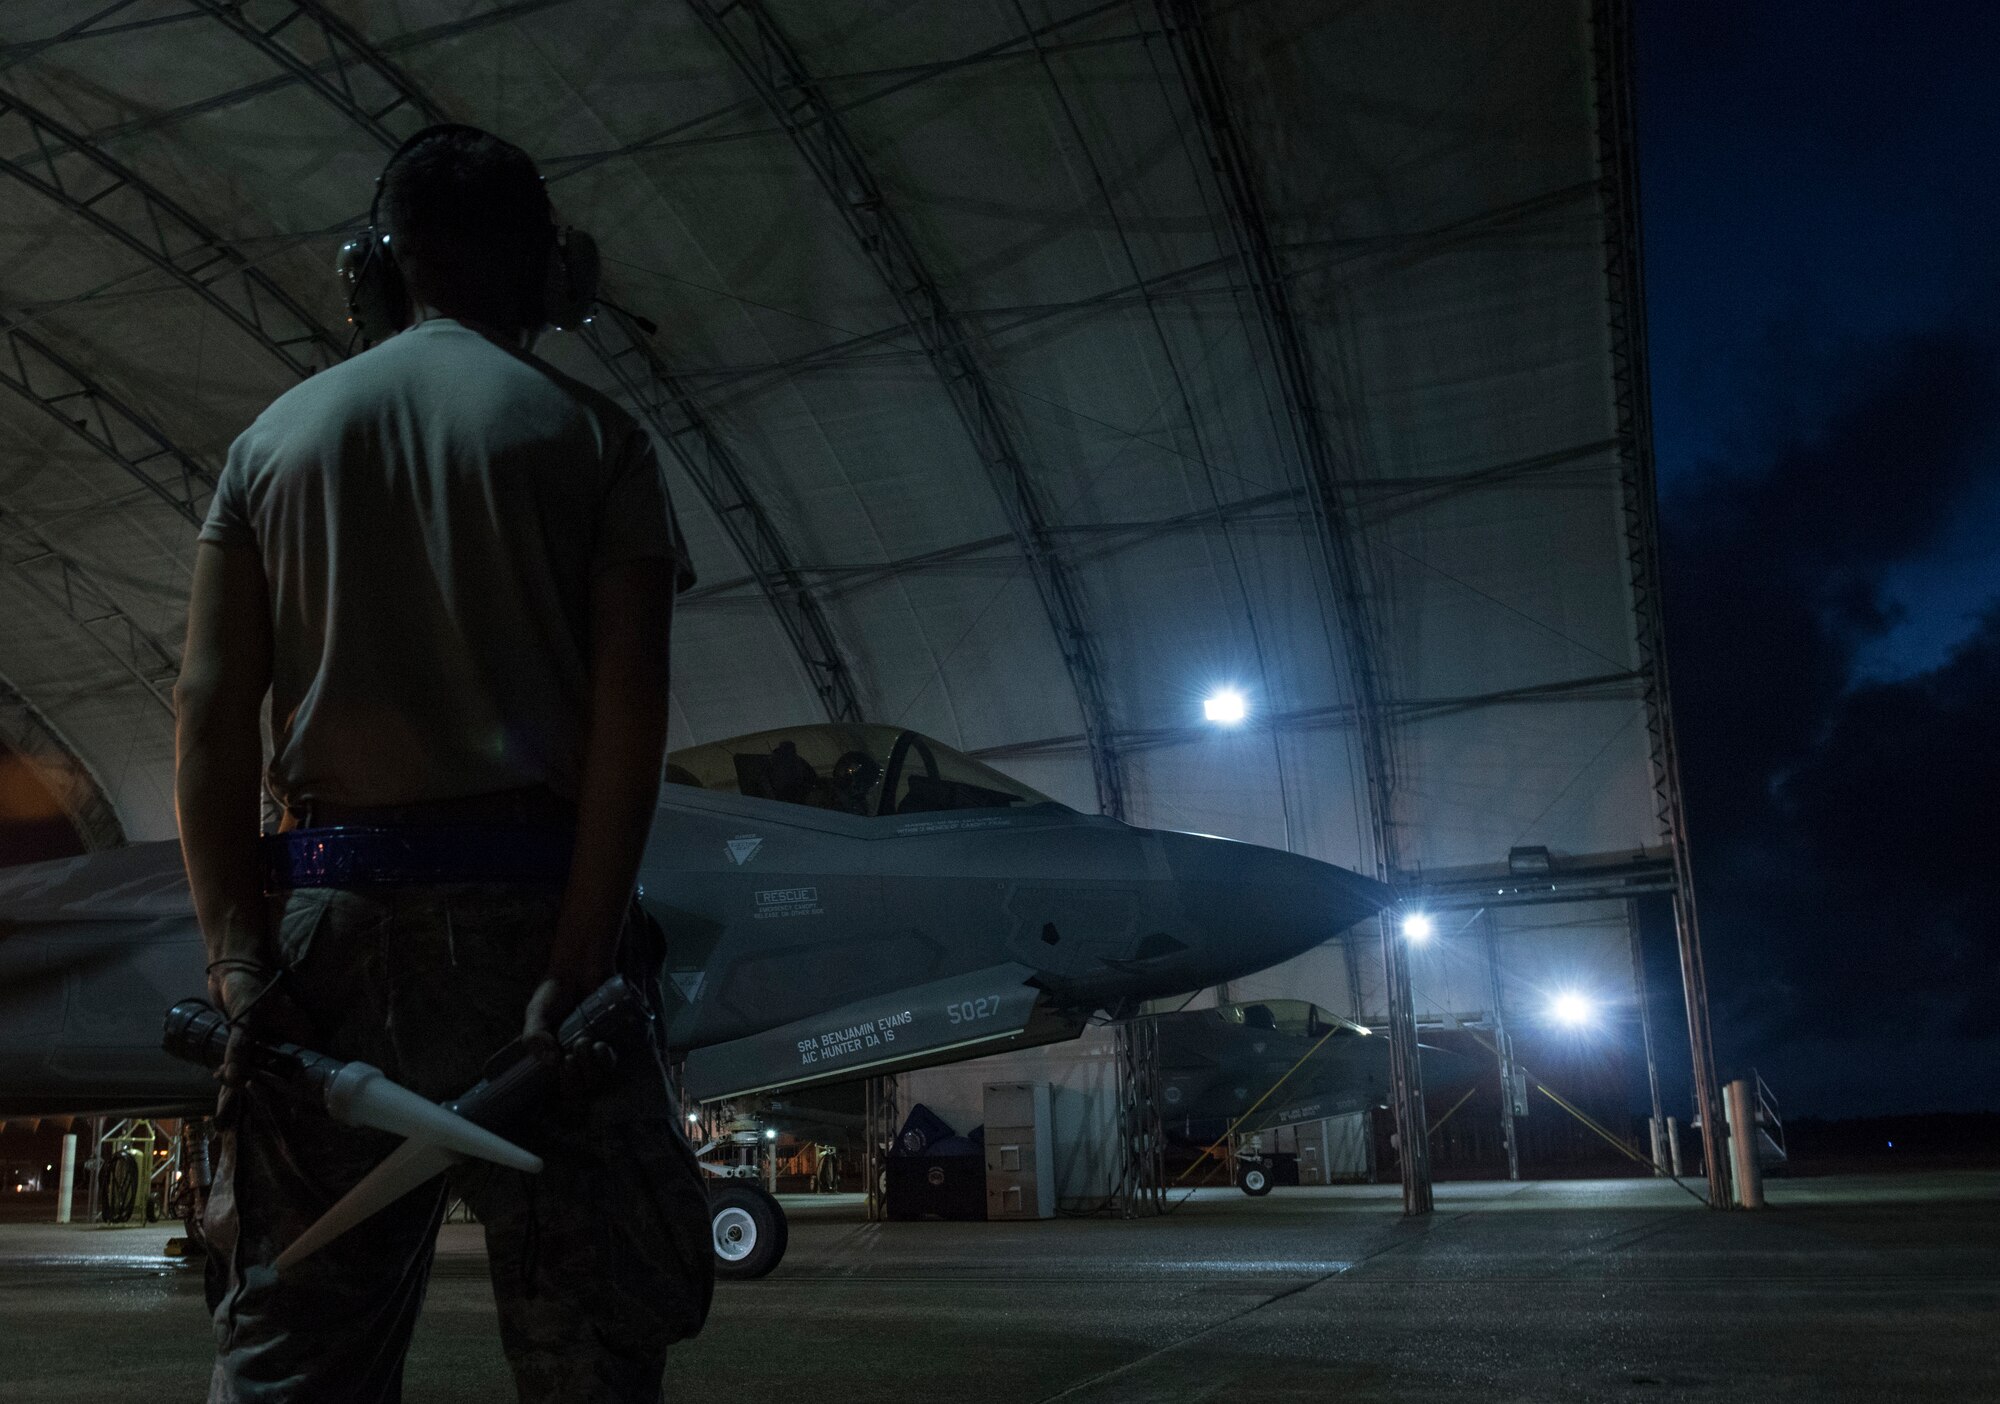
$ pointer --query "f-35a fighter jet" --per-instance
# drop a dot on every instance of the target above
(838, 901)
(1243, 1069)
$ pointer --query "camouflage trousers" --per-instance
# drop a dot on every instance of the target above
(598, 1264)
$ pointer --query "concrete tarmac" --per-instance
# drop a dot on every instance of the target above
(1878, 1288)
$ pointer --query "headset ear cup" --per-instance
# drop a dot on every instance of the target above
(569, 290)
(378, 301)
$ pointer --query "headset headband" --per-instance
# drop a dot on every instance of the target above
(560, 291)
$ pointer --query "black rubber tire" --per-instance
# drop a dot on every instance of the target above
(121, 1188)
(1255, 1181)
(749, 1228)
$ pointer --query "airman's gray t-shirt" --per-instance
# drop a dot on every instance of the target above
(430, 515)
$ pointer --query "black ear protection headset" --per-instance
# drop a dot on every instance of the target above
(561, 294)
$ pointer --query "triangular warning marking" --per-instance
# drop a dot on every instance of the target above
(688, 983)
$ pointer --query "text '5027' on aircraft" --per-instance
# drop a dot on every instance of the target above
(838, 901)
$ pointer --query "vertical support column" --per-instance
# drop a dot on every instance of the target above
(97, 1134)
(1142, 1170)
(1674, 1146)
(879, 1128)
(1657, 1124)
(1701, 1051)
(1357, 1006)
(1743, 1146)
(66, 1193)
(1612, 62)
(1406, 1088)
(1503, 1046)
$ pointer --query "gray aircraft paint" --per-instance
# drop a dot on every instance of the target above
(1079, 912)
(1213, 1071)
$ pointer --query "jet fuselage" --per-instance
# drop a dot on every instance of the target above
(803, 943)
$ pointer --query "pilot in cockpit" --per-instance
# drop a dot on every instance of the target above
(788, 776)
(855, 776)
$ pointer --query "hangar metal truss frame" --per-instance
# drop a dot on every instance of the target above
(1151, 290)
(1142, 1134)
(69, 585)
(764, 55)
(707, 460)
(108, 425)
(334, 78)
(76, 787)
(329, 67)
(1611, 46)
(1250, 234)
(60, 388)
(68, 170)
(165, 234)
(637, 368)
(1341, 714)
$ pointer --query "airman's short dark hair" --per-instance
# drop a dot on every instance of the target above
(469, 224)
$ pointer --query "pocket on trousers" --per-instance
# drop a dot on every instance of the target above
(300, 917)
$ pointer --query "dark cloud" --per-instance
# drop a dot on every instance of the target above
(1824, 315)
(1844, 901)
(1882, 820)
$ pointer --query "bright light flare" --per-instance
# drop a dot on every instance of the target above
(770, 1135)
(1573, 1010)
(1419, 927)
(1225, 707)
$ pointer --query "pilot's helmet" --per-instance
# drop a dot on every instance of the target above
(855, 773)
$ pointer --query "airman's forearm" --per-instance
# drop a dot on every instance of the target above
(632, 619)
(216, 795)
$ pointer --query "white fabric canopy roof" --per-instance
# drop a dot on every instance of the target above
(1135, 522)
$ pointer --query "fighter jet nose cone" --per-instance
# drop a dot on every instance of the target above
(1256, 906)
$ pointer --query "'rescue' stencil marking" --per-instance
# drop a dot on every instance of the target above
(788, 902)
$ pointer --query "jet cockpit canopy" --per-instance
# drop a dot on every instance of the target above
(1294, 1017)
(871, 771)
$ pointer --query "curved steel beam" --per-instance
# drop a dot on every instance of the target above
(88, 183)
(1612, 66)
(662, 399)
(65, 582)
(348, 74)
(1208, 99)
(58, 764)
(60, 390)
(1258, 254)
(664, 402)
(797, 100)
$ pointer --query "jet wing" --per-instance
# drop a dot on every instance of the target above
(987, 1010)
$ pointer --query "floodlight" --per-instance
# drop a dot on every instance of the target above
(770, 1135)
(1225, 707)
(1418, 926)
(1573, 1009)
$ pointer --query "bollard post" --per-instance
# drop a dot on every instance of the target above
(1749, 1174)
(66, 1193)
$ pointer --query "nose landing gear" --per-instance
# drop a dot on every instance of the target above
(750, 1232)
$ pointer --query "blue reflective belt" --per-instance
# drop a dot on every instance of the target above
(362, 856)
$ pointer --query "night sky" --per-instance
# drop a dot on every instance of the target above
(1822, 203)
